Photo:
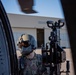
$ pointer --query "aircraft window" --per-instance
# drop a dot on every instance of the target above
(47, 8)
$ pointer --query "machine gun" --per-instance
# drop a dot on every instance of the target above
(53, 55)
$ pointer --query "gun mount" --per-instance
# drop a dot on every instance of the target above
(54, 55)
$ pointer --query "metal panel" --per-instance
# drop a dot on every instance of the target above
(4, 55)
(9, 65)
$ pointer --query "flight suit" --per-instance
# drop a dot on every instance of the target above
(32, 66)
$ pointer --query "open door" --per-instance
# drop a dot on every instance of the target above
(40, 37)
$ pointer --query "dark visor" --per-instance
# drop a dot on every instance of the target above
(26, 43)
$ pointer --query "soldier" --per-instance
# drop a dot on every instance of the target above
(30, 63)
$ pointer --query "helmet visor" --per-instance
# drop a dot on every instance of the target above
(25, 43)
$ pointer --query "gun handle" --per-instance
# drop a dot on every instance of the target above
(67, 66)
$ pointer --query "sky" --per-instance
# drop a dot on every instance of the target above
(45, 8)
